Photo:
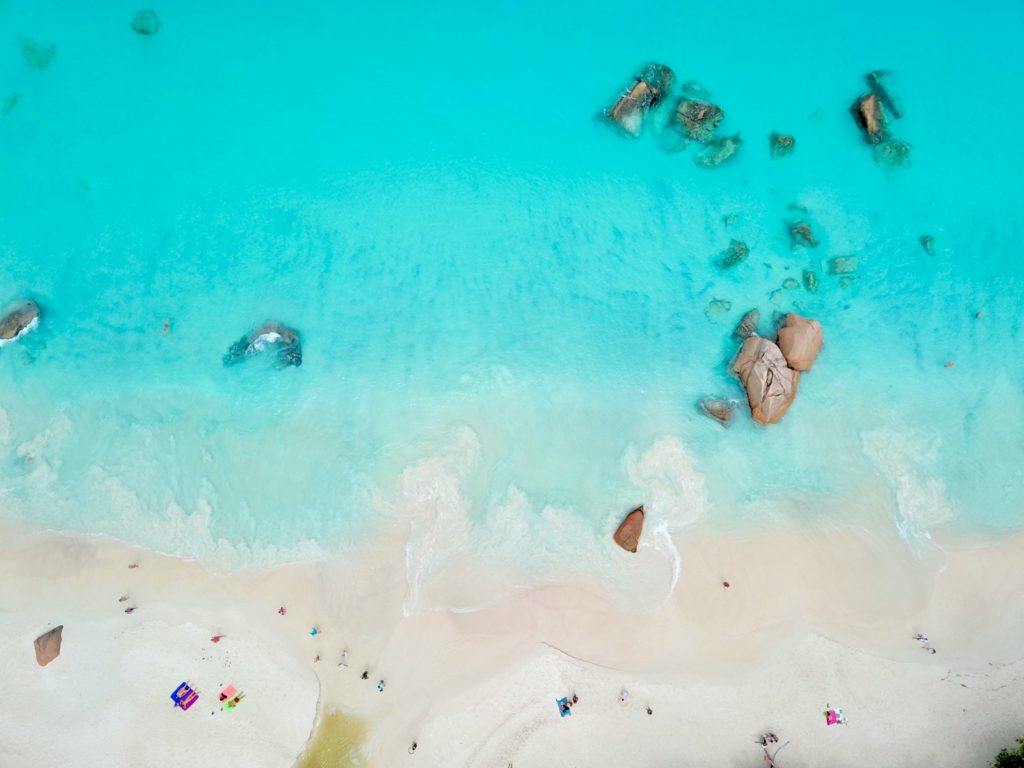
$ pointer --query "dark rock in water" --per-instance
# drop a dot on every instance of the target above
(47, 646)
(734, 254)
(38, 55)
(810, 281)
(9, 103)
(628, 533)
(770, 383)
(874, 81)
(648, 90)
(780, 145)
(843, 265)
(720, 410)
(717, 308)
(892, 154)
(146, 22)
(697, 119)
(800, 341)
(718, 151)
(928, 243)
(748, 325)
(867, 112)
(695, 90)
(18, 321)
(800, 234)
(289, 352)
(729, 219)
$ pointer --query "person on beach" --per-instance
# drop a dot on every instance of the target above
(650, 711)
(365, 675)
(575, 698)
(623, 696)
(130, 610)
(412, 747)
(344, 659)
(281, 610)
(380, 686)
(314, 631)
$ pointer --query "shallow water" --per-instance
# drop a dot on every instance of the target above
(502, 301)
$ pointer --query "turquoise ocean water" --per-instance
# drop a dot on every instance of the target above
(503, 303)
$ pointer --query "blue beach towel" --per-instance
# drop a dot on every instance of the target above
(563, 706)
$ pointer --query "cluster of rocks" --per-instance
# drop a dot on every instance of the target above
(769, 370)
(871, 112)
(698, 120)
(694, 117)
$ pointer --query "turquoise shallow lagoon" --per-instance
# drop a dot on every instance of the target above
(503, 302)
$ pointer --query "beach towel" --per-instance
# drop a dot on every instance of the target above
(563, 706)
(228, 692)
(189, 700)
(831, 718)
(232, 703)
(181, 692)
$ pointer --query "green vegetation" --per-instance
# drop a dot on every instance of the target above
(1010, 759)
(335, 743)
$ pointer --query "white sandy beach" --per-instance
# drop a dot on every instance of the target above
(808, 620)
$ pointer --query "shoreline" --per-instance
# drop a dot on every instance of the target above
(826, 615)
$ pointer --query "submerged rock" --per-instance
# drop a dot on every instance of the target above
(800, 234)
(648, 90)
(928, 243)
(748, 325)
(800, 341)
(717, 308)
(810, 281)
(718, 151)
(289, 352)
(780, 145)
(47, 645)
(867, 113)
(146, 22)
(39, 55)
(628, 533)
(694, 89)
(790, 283)
(734, 254)
(21, 319)
(720, 410)
(698, 120)
(769, 382)
(843, 265)
(874, 81)
(9, 103)
(892, 154)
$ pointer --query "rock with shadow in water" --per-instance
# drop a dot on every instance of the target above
(892, 154)
(18, 320)
(780, 145)
(734, 254)
(146, 22)
(285, 340)
(648, 90)
(627, 535)
(769, 382)
(697, 120)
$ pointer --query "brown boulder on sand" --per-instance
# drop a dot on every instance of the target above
(770, 383)
(800, 341)
(628, 534)
(48, 646)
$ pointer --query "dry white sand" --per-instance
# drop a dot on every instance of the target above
(808, 620)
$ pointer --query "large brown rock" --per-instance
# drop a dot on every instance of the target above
(628, 534)
(48, 646)
(770, 383)
(867, 113)
(800, 341)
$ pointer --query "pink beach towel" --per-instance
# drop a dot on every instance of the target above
(831, 718)
(228, 692)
